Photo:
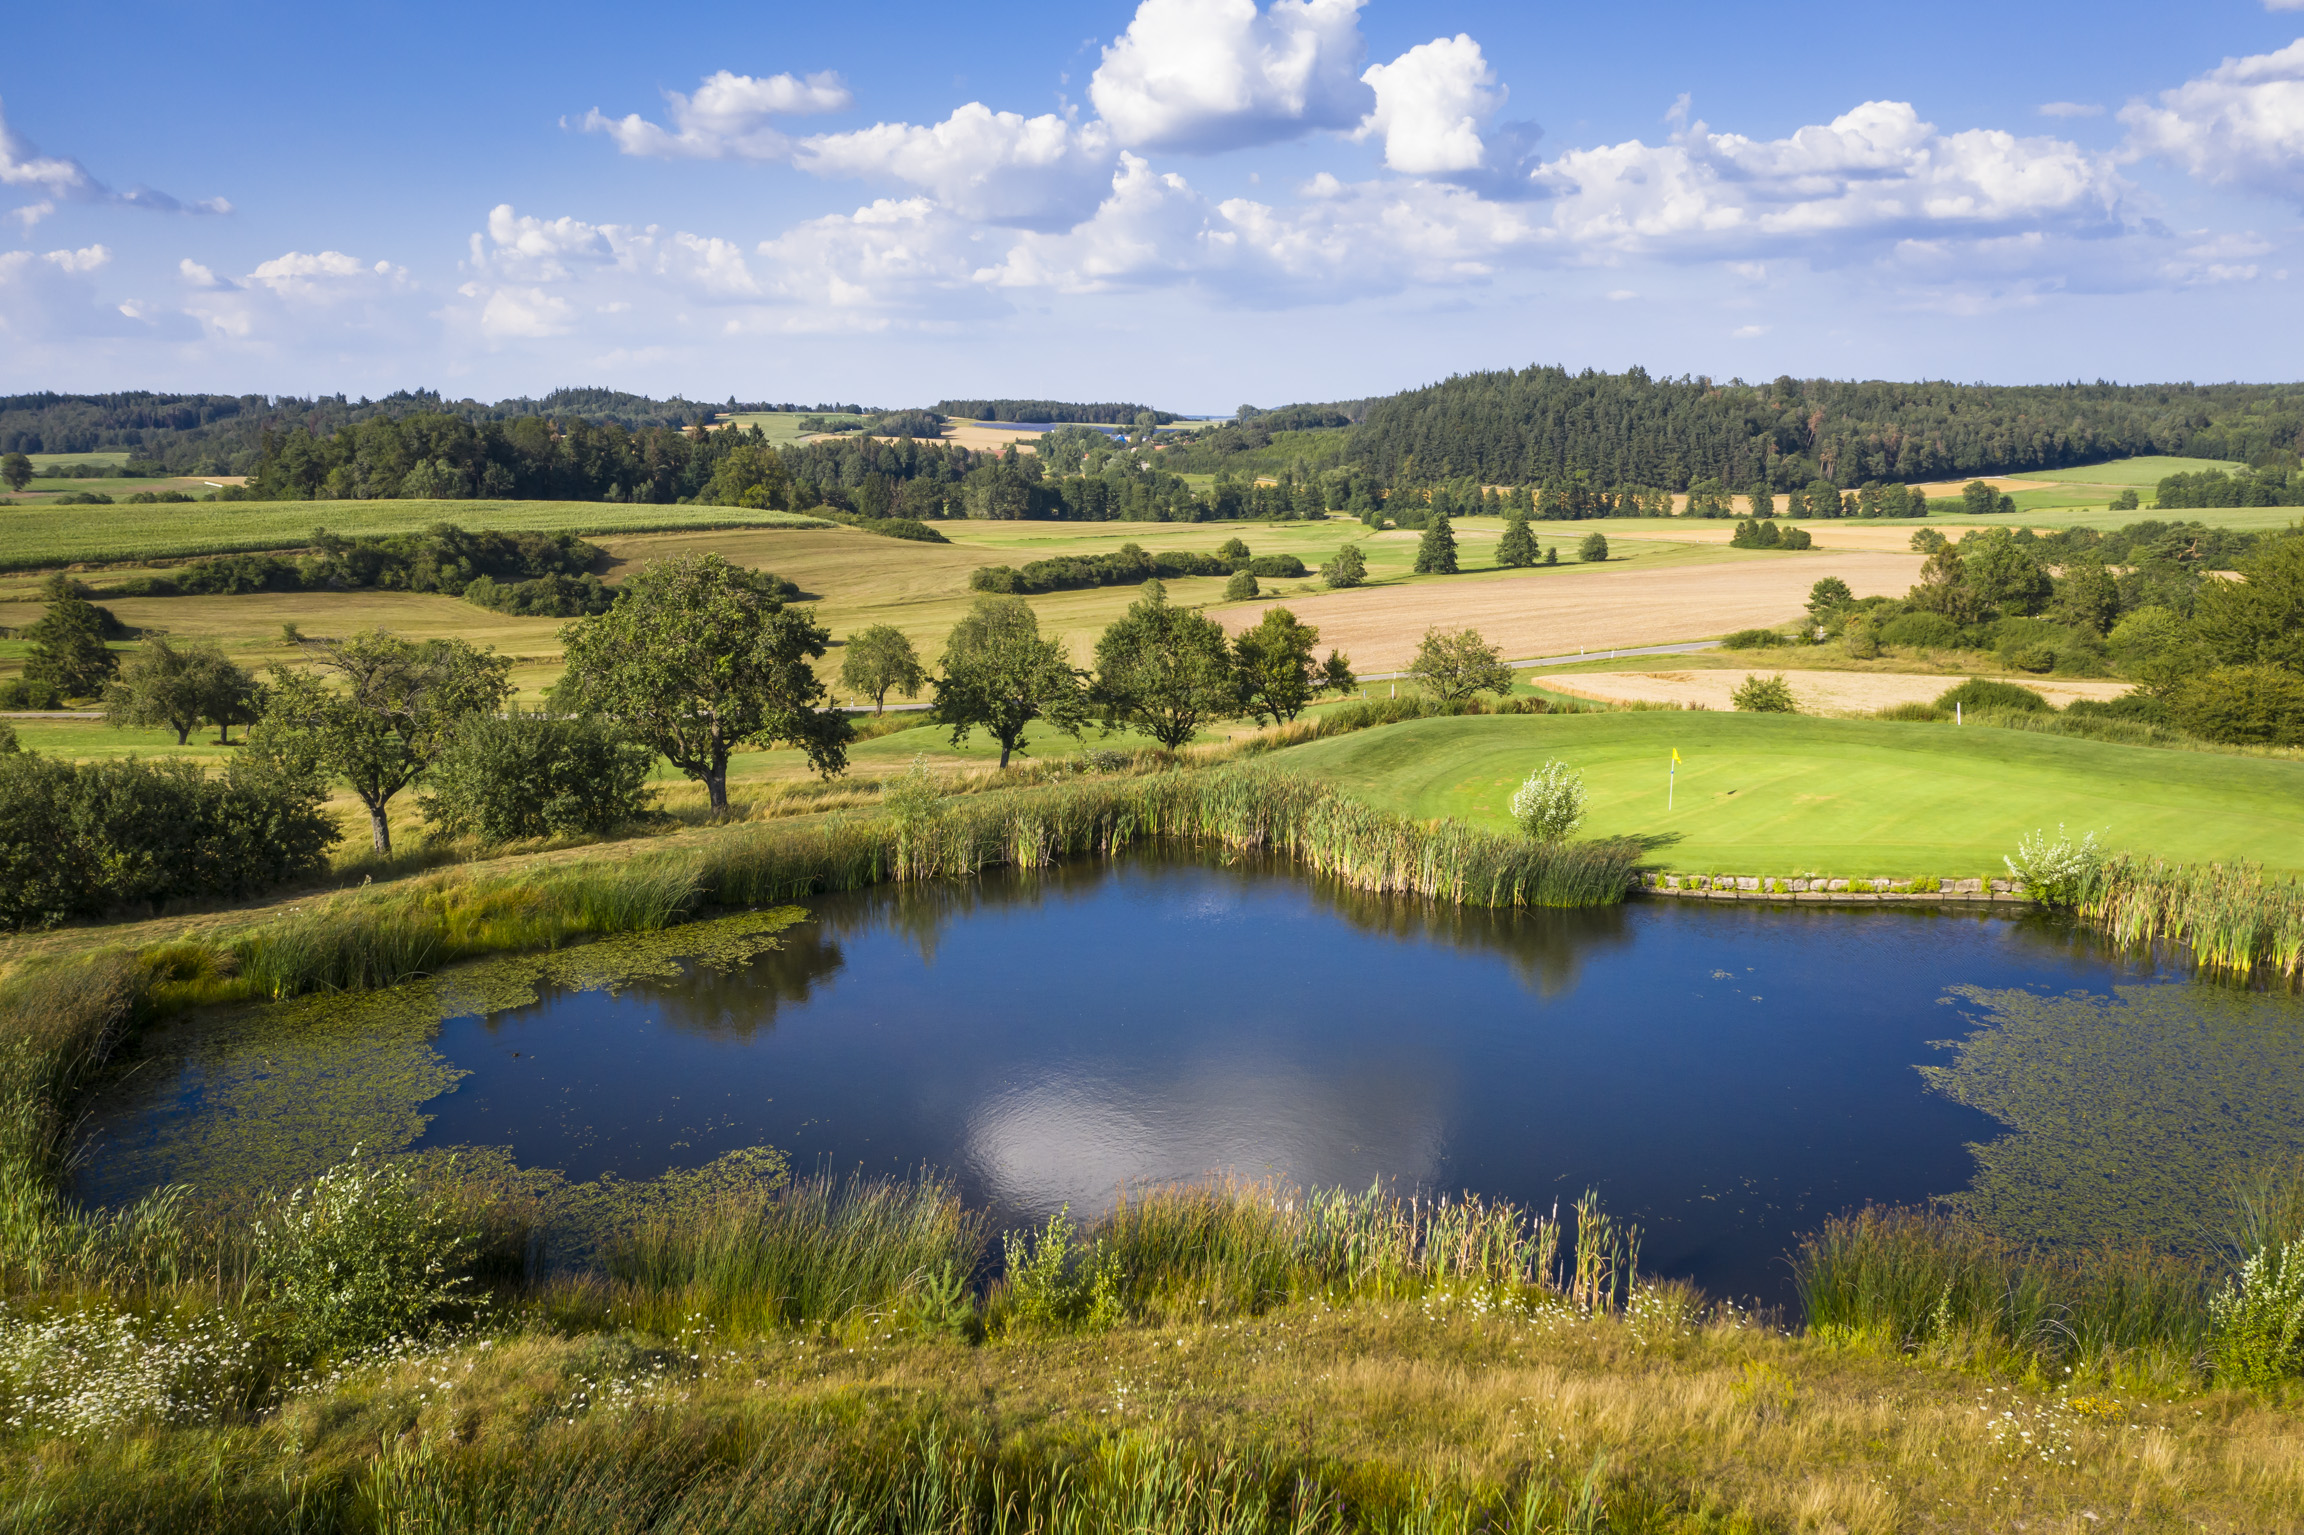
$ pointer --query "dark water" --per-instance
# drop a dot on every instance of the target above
(1726, 1075)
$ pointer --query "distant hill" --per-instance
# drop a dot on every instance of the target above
(1058, 411)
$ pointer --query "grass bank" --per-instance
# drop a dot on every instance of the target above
(1777, 795)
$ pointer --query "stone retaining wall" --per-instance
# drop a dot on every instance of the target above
(1822, 889)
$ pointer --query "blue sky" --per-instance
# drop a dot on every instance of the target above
(1198, 203)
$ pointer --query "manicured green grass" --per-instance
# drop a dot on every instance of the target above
(34, 536)
(1775, 795)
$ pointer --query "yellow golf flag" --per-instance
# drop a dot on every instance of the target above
(1675, 754)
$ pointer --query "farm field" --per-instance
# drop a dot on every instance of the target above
(1786, 795)
(44, 536)
(1818, 692)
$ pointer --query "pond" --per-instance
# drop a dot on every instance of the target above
(1727, 1075)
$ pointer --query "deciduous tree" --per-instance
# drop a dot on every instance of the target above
(699, 657)
(878, 660)
(1277, 674)
(377, 710)
(1164, 670)
(1347, 569)
(164, 686)
(1000, 674)
(1457, 664)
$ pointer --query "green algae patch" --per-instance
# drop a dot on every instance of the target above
(233, 1103)
(2125, 1111)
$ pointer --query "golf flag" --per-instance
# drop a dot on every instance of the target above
(1671, 779)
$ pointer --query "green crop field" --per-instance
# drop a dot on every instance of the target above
(781, 427)
(38, 536)
(1785, 795)
(2143, 473)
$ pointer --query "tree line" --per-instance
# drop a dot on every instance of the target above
(693, 661)
(1542, 424)
(1098, 414)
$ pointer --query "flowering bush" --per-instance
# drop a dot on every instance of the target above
(363, 1253)
(2259, 1318)
(2055, 872)
(1550, 804)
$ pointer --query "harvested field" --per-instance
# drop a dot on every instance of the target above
(1552, 613)
(1817, 692)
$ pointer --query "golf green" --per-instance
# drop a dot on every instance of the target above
(1774, 794)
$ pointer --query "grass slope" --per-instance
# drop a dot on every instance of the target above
(1777, 795)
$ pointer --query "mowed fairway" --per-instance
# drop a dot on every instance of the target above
(1776, 795)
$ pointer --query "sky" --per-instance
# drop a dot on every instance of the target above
(1195, 204)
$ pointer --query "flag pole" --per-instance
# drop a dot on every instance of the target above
(1671, 782)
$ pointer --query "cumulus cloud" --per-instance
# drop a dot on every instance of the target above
(525, 313)
(999, 167)
(1206, 75)
(2242, 123)
(62, 179)
(730, 117)
(1869, 174)
(1431, 103)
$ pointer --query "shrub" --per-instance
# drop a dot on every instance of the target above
(2259, 1318)
(361, 1255)
(31, 693)
(1859, 638)
(1983, 693)
(1055, 1282)
(2243, 705)
(1921, 631)
(1594, 549)
(79, 840)
(1347, 569)
(1751, 639)
(1917, 712)
(1550, 804)
(1765, 695)
(1241, 587)
(2139, 708)
(2057, 873)
(536, 775)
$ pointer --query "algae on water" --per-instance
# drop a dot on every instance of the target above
(271, 1095)
(2127, 1112)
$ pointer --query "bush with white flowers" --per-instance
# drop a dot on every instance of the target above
(1550, 804)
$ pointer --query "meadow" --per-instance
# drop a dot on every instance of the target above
(1773, 794)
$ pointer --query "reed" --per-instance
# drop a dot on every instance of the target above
(821, 1250)
(1225, 1248)
(1919, 1281)
(2233, 918)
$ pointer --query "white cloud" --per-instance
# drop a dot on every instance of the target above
(325, 276)
(999, 167)
(1431, 104)
(86, 259)
(2077, 108)
(199, 276)
(1206, 75)
(525, 314)
(1867, 175)
(1747, 332)
(67, 180)
(730, 117)
(2242, 122)
(849, 270)
(2284, 5)
(49, 297)
(544, 250)
(2217, 258)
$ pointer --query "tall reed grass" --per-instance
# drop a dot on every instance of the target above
(2234, 919)
(820, 1250)
(372, 938)
(1921, 1281)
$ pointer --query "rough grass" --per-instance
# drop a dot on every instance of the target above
(1847, 797)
